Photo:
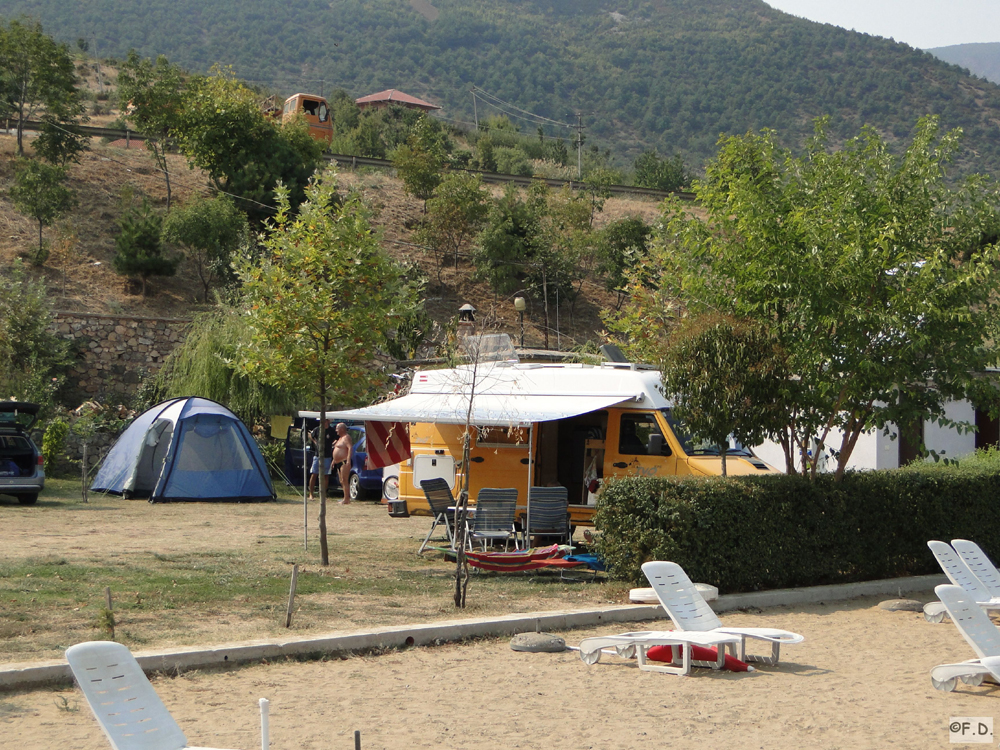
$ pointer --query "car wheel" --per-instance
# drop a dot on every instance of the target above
(390, 488)
(354, 488)
(28, 499)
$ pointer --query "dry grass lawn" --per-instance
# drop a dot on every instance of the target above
(196, 573)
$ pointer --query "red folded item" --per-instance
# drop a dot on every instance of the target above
(698, 653)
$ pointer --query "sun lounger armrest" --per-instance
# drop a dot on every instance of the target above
(992, 663)
(766, 634)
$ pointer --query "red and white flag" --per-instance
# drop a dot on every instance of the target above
(387, 442)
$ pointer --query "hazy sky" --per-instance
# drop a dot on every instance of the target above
(919, 23)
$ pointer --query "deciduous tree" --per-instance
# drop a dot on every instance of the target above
(206, 363)
(40, 191)
(512, 240)
(455, 214)
(37, 75)
(622, 247)
(875, 274)
(726, 378)
(419, 161)
(662, 174)
(151, 94)
(209, 230)
(223, 131)
(320, 303)
(32, 358)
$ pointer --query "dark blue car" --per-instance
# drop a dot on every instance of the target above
(362, 483)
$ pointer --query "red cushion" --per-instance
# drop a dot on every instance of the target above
(698, 653)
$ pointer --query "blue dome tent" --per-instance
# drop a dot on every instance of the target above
(186, 449)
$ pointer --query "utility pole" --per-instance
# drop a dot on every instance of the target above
(579, 145)
(97, 64)
(475, 111)
(545, 294)
(558, 339)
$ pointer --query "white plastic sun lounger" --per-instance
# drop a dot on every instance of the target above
(980, 633)
(980, 565)
(960, 574)
(123, 701)
(638, 643)
(690, 612)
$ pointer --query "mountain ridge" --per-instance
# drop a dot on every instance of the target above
(666, 74)
(981, 58)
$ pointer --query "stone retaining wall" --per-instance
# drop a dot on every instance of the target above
(115, 352)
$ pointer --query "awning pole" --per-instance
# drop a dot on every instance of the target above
(531, 463)
(305, 488)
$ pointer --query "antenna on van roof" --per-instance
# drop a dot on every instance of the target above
(612, 353)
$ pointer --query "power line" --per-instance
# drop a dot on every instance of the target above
(487, 96)
(569, 139)
(177, 180)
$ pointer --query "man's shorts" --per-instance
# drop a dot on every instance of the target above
(315, 466)
(336, 466)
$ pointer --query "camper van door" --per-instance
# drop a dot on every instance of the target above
(639, 443)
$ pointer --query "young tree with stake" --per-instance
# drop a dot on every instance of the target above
(320, 302)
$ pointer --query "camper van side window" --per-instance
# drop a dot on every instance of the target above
(502, 437)
(639, 435)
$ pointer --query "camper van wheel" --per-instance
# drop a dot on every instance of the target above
(28, 499)
(354, 488)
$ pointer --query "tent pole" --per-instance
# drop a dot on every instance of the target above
(305, 489)
(531, 463)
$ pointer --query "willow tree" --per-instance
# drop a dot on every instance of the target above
(205, 363)
(319, 303)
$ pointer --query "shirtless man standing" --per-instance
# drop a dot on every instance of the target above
(342, 459)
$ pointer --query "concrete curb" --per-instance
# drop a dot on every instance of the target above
(36, 674)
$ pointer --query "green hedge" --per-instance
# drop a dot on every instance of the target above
(748, 533)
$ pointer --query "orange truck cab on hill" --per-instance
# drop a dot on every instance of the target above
(316, 112)
(543, 425)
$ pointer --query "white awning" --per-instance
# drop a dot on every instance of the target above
(518, 409)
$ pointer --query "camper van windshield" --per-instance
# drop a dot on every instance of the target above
(694, 447)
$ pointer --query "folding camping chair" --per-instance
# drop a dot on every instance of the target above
(548, 515)
(494, 519)
(439, 498)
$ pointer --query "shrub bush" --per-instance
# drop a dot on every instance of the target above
(748, 533)
(273, 452)
(53, 443)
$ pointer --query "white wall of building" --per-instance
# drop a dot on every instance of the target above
(880, 450)
(948, 442)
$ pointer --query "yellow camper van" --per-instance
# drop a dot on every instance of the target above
(544, 425)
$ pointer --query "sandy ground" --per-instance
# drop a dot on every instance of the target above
(860, 680)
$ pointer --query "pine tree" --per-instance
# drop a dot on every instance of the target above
(138, 248)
